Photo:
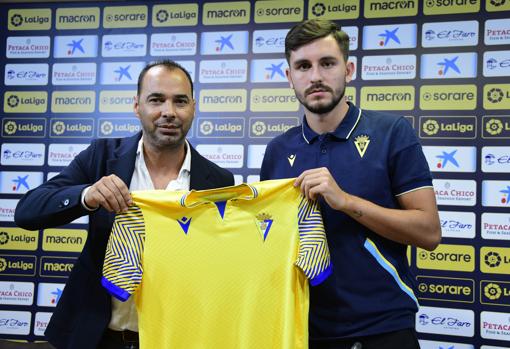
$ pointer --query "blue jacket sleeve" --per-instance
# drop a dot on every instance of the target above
(58, 201)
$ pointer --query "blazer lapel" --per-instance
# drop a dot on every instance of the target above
(123, 162)
(199, 174)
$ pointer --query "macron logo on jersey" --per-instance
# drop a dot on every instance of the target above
(184, 222)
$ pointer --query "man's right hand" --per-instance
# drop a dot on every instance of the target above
(109, 192)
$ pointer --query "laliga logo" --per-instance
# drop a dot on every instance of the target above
(430, 127)
(206, 127)
(3, 264)
(59, 127)
(492, 259)
(494, 127)
(258, 128)
(162, 16)
(13, 101)
(492, 291)
(498, 3)
(318, 9)
(106, 127)
(16, 20)
(4, 238)
(495, 95)
(10, 127)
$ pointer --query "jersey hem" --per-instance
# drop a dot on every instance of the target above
(319, 279)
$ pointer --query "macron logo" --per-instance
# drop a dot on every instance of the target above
(184, 222)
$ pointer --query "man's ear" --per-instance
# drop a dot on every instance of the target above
(136, 105)
(350, 68)
(287, 73)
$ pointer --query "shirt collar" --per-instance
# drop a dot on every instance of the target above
(186, 164)
(242, 191)
(343, 131)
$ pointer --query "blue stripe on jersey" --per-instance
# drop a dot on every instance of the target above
(374, 251)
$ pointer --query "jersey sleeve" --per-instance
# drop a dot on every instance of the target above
(122, 268)
(313, 257)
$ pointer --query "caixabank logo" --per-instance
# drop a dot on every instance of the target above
(447, 257)
(17, 265)
(125, 17)
(29, 19)
(495, 260)
(496, 127)
(55, 266)
(447, 127)
(221, 127)
(446, 289)
(18, 239)
(23, 128)
(496, 96)
(72, 128)
(270, 127)
(174, 15)
(25, 102)
(495, 292)
(118, 127)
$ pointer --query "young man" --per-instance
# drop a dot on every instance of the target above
(375, 190)
(98, 182)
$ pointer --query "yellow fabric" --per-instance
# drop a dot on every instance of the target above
(220, 284)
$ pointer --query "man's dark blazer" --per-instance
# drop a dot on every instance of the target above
(84, 310)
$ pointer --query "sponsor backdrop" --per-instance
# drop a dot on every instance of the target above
(69, 76)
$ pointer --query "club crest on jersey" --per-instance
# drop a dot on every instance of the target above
(264, 222)
(184, 222)
(361, 142)
(291, 159)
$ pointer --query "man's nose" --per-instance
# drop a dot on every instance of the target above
(168, 109)
(315, 74)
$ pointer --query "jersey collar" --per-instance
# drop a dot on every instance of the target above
(342, 132)
(239, 192)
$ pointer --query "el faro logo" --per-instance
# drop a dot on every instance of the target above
(29, 19)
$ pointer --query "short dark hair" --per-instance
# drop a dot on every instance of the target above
(167, 63)
(313, 29)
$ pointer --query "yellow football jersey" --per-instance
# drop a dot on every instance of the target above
(221, 268)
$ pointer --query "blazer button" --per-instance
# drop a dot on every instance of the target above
(65, 202)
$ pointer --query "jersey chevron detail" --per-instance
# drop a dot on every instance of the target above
(122, 270)
(313, 258)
